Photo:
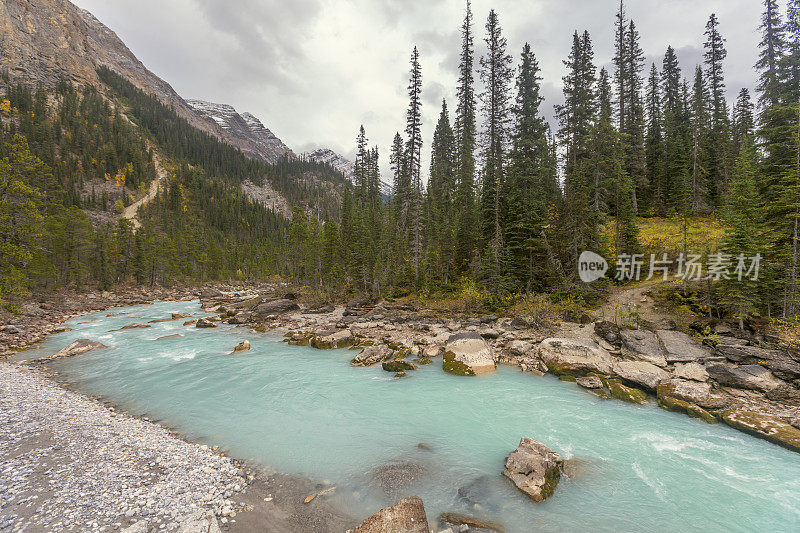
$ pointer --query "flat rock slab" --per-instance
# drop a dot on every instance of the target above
(407, 516)
(574, 357)
(534, 468)
(372, 355)
(642, 373)
(754, 377)
(680, 347)
(642, 345)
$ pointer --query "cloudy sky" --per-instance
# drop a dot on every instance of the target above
(314, 70)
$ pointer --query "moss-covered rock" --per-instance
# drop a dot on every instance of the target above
(676, 405)
(451, 366)
(625, 393)
(398, 366)
(771, 428)
(402, 353)
(422, 361)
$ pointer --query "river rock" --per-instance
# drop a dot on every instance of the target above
(242, 346)
(641, 373)
(783, 364)
(407, 516)
(520, 348)
(765, 426)
(131, 326)
(177, 316)
(340, 339)
(754, 377)
(467, 354)
(398, 366)
(608, 331)
(680, 347)
(469, 523)
(691, 371)
(201, 521)
(625, 393)
(642, 345)
(589, 382)
(274, 307)
(571, 358)
(78, 347)
(371, 355)
(204, 323)
(534, 468)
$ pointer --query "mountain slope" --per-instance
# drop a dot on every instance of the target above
(245, 130)
(42, 41)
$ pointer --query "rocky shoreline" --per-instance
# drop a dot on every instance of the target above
(741, 379)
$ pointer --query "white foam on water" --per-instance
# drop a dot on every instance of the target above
(658, 487)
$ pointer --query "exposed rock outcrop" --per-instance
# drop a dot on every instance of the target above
(572, 358)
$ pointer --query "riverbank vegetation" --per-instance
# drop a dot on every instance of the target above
(646, 159)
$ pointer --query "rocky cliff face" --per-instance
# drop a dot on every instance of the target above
(42, 41)
(243, 130)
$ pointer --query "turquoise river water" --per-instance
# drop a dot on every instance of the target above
(308, 412)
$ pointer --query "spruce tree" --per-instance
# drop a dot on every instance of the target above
(411, 212)
(525, 198)
(578, 224)
(742, 215)
(465, 132)
(441, 196)
(496, 75)
(654, 143)
(772, 48)
(714, 56)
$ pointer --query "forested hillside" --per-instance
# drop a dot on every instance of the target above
(72, 159)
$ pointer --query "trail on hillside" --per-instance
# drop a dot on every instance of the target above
(624, 303)
(161, 177)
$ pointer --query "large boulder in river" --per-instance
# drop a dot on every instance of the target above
(372, 354)
(571, 358)
(765, 426)
(204, 323)
(242, 346)
(467, 354)
(78, 347)
(534, 468)
(265, 310)
(408, 516)
(680, 347)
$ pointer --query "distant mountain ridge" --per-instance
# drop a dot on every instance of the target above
(248, 133)
(329, 157)
(340, 163)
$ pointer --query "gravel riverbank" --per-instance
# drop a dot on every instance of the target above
(70, 463)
